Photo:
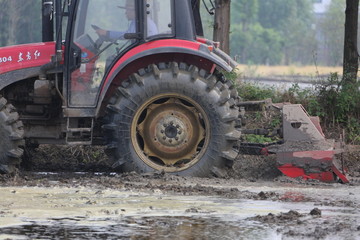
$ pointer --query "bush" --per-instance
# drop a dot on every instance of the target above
(253, 92)
(339, 102)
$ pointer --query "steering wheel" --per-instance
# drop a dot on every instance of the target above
(101, 38)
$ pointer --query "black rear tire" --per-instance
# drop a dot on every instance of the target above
(173, 118)
(12, 138)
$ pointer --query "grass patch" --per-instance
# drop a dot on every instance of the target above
(292, 70)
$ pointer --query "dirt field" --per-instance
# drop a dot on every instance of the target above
(252, 201)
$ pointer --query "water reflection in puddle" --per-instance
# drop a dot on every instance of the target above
(166, 227)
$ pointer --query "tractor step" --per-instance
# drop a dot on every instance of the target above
(74, 130)
(79, 131)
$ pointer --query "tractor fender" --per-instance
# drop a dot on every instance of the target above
(9, 78)
(160, 51)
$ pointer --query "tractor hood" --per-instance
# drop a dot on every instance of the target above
(13, 58)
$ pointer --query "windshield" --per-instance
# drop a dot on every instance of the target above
(99, 31)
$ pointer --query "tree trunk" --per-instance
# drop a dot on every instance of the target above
(222, 24)
(351, 56)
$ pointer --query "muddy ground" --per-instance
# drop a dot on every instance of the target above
(81, 197)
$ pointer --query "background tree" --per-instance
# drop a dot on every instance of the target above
(222, 24)
(351, 55)
(20, 21)
(3, 23)
(295, 28)
(330, 31)
(272, 31)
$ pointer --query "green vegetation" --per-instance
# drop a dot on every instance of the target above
(339, 105)
(283, 32)
(253, 92)
(252, 138)
(273, 31)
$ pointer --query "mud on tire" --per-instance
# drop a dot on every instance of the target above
(12, 133)
(175, 118)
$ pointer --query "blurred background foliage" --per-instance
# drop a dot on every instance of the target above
(20, 21)
(267, 32)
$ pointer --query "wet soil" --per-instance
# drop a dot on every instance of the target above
(79, 196)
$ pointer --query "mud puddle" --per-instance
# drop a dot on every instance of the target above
(143, 207)
(42, 213)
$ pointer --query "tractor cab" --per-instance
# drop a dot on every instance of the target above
(101, 32)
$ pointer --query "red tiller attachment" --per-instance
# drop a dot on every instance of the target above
(310, 165)
(305, 152)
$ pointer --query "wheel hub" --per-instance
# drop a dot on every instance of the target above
(170, 131)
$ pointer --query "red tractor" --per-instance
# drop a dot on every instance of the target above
(132, 75)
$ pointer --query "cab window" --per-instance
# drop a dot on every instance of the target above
(159, 17)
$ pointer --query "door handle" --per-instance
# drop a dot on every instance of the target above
(77, 58)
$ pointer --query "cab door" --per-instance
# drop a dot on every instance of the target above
(96, 39)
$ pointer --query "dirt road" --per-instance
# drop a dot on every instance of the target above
(38, 205)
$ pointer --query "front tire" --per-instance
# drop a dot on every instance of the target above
(173, 118)
(12, 138)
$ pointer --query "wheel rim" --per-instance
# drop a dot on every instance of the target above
(170, 132)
